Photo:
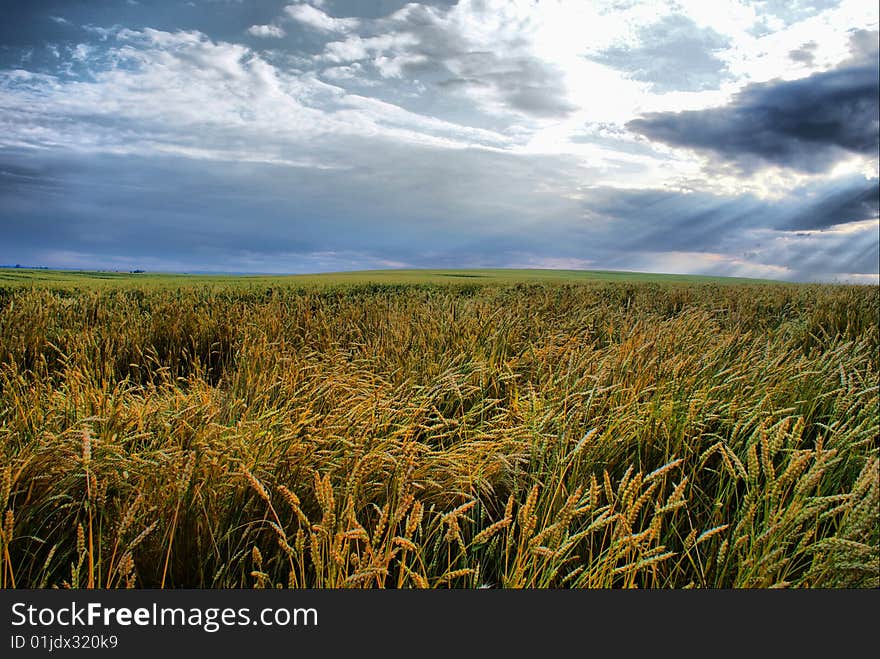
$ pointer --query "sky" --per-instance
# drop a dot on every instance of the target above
(733, 137)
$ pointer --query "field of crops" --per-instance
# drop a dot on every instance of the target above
(98, 279)
(546, 434)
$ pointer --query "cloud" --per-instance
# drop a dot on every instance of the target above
(319, 20)
(182, 93)
(429, 203)
(822, 230)
(412, 205)
(485, 43)
(356, 48)
(806, 54)
(863, 46)
(266, 31)
(698, 220)
(792, 11)
(808, 124)
(673, 54)
(856, 201)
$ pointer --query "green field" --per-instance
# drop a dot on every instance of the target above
(409, 429)
(74, 278)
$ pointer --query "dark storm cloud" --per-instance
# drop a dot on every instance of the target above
(807, 124)
(673, 54)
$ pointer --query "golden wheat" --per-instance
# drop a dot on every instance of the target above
(597, 435)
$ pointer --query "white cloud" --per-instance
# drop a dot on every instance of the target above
(356, 48)
(266, 31)
(766, 57)
(181, 92)
(317, 19)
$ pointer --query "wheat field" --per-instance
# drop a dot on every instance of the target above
(546, 435)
